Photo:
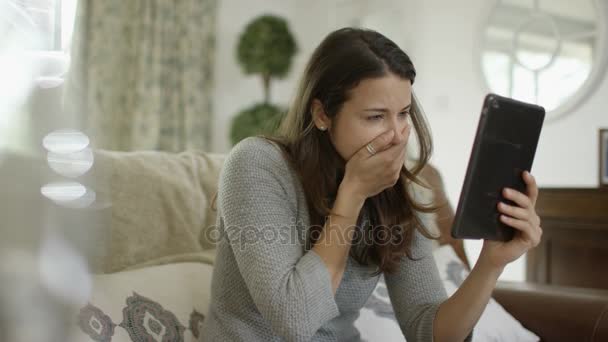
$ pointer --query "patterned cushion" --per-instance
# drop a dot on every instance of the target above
(377, 321)
(160, 303)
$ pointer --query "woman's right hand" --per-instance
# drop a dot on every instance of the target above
(367, 175)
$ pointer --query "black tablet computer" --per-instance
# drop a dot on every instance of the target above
(504, 146)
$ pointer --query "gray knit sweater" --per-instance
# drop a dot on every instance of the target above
(268, 287)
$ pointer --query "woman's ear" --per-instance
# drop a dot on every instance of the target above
(319, 117)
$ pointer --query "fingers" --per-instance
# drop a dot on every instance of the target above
(530, 234)
(386, 152)
(532, 187)
(519, 213)
(517, 197)
(379, 143)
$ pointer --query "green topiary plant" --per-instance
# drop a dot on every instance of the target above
(262, 118)
(266, 47)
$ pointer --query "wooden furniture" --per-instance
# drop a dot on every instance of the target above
(574, 246)
(556, 313)
(576, 313)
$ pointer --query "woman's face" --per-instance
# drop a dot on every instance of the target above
(375, 106)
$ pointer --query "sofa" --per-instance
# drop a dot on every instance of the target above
(151, 246)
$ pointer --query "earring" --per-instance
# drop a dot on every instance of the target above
(323, 128)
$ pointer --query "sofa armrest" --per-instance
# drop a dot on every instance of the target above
(557, 313)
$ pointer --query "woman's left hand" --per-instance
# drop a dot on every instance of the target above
(523, 218)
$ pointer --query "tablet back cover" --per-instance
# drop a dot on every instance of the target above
(505, 145)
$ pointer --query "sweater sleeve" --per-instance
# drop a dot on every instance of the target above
(291, 288)
(416, 291)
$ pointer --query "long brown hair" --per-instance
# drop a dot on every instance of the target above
(342, 60)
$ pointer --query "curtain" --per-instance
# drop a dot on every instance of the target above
(142, 73)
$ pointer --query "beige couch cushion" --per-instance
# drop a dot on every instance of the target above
(159, 206)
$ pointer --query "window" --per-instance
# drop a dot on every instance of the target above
(548, 52)
(36, 40)
(54, 19)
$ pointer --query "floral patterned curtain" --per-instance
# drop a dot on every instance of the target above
(142, 73)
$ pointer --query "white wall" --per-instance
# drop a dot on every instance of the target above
(451, 91)
(440, 36)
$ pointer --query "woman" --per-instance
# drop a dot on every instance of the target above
(311, 218)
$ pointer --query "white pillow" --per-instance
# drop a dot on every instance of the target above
(159, 303)
(377, 321)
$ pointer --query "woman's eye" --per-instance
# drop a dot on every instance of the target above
(380, 116)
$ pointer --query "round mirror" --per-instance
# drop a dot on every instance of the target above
(548, 52)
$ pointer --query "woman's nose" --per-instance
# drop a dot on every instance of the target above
(399, 135)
